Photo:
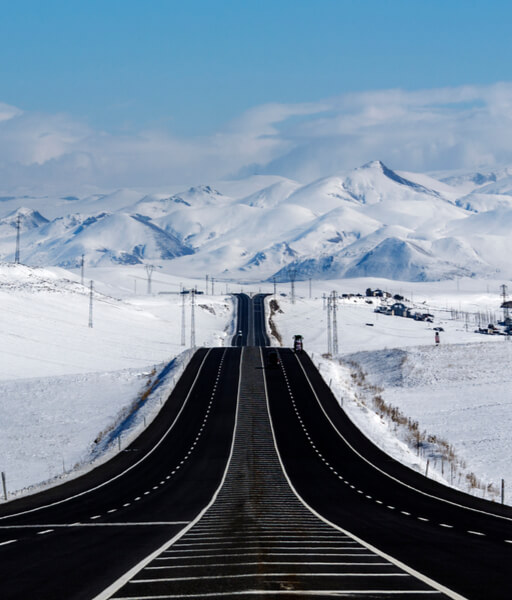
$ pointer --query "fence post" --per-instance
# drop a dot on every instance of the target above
(426, 470)
(4, 485)
(502, 491)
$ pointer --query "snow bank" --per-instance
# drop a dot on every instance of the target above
(454, 399)
(63, 383)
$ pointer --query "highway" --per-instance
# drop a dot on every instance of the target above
(72, 541)
(251, 330)
(457, 540)
(252, 482)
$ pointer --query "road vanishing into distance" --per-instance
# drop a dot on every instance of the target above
(253, 483)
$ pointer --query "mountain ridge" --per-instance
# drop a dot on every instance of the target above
(369, 220)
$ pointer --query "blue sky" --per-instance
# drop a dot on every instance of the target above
(191, 66)
(79, 72)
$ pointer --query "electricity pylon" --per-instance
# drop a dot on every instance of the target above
(193, 320)
(149, 271)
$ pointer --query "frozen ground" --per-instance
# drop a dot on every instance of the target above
(62, 383)
(458, 392)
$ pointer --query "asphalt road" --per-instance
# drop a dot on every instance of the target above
(251, 330)
(73, 541)
(460, 541)
(253, 482)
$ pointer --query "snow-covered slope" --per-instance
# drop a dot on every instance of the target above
(62, 382)
(367, 221)
(117, 238)
(400, 388)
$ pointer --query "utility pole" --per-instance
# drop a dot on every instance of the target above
(182, 318)
(275, 288)
(91, 293)
(213, 286)
(149, 271)
(206, 284)
(329, 330)
(324, 298)
(82, 270)
(292, 274)
(334, 323)
(504, 296)
(193, 321)
(18, 229)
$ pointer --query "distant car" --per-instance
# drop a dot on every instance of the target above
(273, 359)
(298, 344)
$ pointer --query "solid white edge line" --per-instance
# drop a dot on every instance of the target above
(427, 580)
(286, 593)
(483, 512)
(88, 491)
(124, 579)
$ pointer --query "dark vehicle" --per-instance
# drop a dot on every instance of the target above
(297, 343)
(273, 359)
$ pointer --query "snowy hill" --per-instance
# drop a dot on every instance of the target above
(367, 221)
(63, 383)
(103, 238)
(28, 219)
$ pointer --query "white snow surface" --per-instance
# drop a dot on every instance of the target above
(459, 391)
(370, 221)
(63, 383)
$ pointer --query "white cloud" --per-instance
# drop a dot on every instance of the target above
(445, 128)
(8, 112)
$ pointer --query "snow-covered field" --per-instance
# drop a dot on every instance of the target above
(62, 383)
(458, 392)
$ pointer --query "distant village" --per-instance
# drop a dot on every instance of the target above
(399, 309)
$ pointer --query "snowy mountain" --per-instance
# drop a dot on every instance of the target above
(102, 238)
(368, 221)
(28, 219)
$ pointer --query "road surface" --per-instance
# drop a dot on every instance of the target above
(253, 482)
